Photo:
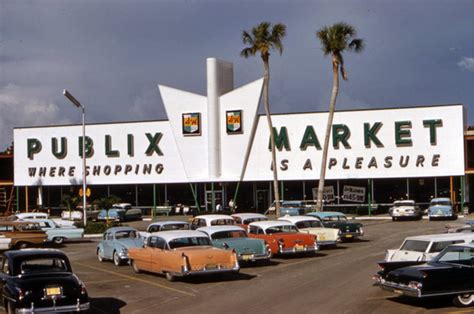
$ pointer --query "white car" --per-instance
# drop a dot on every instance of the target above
(38, 215)
(56, 233)
(211, 220)
(5, 243)
(425, 247)
(246, 218)
(405, 209)
(325, 236)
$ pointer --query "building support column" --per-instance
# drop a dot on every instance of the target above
(408, 189)
(153, 208)
(462, 194)
(436, 187)
(338, 193)
(304, 190)
(370, 197)
(26, 198)
(136, 194)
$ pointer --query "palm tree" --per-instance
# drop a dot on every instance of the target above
(335, 40)
(262, 40)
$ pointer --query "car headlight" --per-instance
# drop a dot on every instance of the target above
(124, 250)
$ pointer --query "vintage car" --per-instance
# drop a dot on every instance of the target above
(441, 207)
(405, 209)
(283, 237)
(40, 215)
(235, 238)
(40, 281)
(5, 243)
(465, 226)
(296, 208)
(165, 225)
(120, 212)
(243, 219)
(349, 230)
(78, 214)
(326, 237)
(211, 220)
(23, 233)
(56, 233)
(116, 242)
(451, 272)
(181, 253)
(425, 247)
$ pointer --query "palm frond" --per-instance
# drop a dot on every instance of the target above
(247, 39)
(247, 52)
(357, 44)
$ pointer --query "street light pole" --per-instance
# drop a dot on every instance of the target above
(84, 182)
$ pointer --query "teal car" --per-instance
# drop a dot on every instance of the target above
(231, 237)
(56, 233)
(441, 207)
(115, 244)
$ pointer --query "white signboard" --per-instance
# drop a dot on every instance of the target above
(353, 194)
(328, 193)
(389, 143)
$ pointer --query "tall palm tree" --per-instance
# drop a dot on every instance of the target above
(335, 40)
(263, 39)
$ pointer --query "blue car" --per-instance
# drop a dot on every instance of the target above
(120, 212)
(115, 244)
(441, 207)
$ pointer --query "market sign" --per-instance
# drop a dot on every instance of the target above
(353, 193)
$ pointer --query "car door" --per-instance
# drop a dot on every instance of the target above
(158, 255)
(143, 256)
(107, 244)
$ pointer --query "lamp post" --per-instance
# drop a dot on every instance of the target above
(84, 183)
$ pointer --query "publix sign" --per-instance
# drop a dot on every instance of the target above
(409, 142)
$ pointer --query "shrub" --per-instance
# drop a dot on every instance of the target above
(96, 227)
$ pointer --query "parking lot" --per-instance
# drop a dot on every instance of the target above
(337, 280)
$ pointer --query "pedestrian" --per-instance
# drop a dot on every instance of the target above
(218, 207)
(231, 205)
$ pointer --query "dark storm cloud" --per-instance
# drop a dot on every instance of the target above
(112, 54)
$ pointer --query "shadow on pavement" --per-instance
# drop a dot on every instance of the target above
(105, 305)
(217, 278)
(426, 303)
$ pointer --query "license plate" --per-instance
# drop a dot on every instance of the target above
(397, 291)
(322, 238)
(245, 257)
(53, 291)
(299, 247)
(348, 235)
(211, 266)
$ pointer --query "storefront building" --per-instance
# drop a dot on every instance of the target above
(216, 148)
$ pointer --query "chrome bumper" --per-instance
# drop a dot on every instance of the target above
(351, 235)
(396, 287)
(329, 243)
(205, 271)
(55, 309)
(295, 250)
(253, 257)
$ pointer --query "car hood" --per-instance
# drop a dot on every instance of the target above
(343, 225)
(440, 207)
(129, 242)
(414, 273)
(403, 208)
(242, 245)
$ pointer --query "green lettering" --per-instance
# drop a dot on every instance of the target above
(54, 147)
(108, 147)
(89, 144)
(281, 139)
(153, 146)
(402, 135)
(33, 147)
(340, 134)
(433, 124)
(370, 134)
(309, 139)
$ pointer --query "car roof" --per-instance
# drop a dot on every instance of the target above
(31, 214)
(34, 253)
(176, 234)
(168, 222)
(214, 217)
(16, 222)
(125, 228)
(441, 199)
(325, 214)
(249, 215)
(270, 223)
(442, 236)
(213, 229)
(471, 244)
(295, 219)
(403, 201)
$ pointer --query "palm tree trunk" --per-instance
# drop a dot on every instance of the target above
(266, 105)
(332, 107)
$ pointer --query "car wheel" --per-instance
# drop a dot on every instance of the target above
(21, 245)
(394, 219)
(58, 240)
(117, 260)
(11, 308)
(100, 257)
(170, 277)
(463, 299)
(135, 267)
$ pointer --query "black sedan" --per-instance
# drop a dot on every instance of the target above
(40, 281)
(451, 272)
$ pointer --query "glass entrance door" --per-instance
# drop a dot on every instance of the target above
(218, 199)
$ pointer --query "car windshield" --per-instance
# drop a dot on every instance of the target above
(456, 255)
(249, 220)
(335, 218)
(43, 265)
(189, 241)
(415, 245)
(282, 228)
(29, 227)
(446, 203)
(400, 204)
(217, 222)
(124, 234)
(176, 226)
(228, 234)
(309, 224)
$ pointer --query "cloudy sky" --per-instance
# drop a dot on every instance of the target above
(112, 54)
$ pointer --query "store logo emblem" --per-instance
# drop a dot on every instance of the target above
(191, 124)
(234, 122)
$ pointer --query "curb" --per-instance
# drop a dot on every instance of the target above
(386, 218)
(96, 235)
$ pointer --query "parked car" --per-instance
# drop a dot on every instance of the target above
(451, 272)
(181, 253)
(283, 237)
(235, 238)
(466, 226)
(40, 281)
(349, 230)
(296, 208)
(116, 243)
(405, 209)
(211, 220)
(39, 215)
(5, 243)
(56, 233)
(120, 212)
(425, 247)
(23, 233)
(167, 225)
(243, 219)
(326, 237)
(78, 214)
(441, 207)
